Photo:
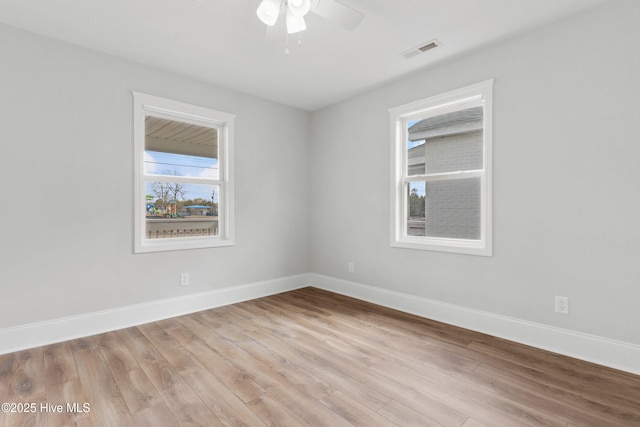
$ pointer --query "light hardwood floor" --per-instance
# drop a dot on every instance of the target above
(310, 358)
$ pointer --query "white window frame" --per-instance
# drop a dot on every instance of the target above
(144, 105)
(480, 94)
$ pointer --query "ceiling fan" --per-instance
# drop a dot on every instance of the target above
(295, 11)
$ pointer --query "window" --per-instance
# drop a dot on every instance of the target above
(183, 187)
(441, 172)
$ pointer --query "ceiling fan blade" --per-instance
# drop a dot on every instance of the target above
(341, 14)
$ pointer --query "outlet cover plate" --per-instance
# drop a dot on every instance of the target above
(184, 279)
(562, 305)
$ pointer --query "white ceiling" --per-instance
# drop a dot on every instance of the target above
(223, 42)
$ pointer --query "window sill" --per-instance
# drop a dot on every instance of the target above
(459, 246)
(178, 244)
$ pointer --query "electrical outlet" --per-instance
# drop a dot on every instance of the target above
(350, 267)
(184, 279)
(562, 305)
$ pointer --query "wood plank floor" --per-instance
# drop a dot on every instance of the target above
(309, 358)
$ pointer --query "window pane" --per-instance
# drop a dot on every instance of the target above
(415, 152)
(453, 209)
(158, 163)
(181, 210)
(445, 143)
(416, 209)
(181, 149)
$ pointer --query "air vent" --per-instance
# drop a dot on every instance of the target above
(421, 49)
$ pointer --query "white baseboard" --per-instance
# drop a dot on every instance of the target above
(42, 333)
(600, 350)
(603, 351)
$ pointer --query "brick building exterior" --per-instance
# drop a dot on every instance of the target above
(448, 143)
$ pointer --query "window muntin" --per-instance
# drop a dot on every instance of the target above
(441, 181)
(183, 177)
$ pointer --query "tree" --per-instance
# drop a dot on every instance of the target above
(168, 190)
(416, 204)
(160, 190)
(176, 191)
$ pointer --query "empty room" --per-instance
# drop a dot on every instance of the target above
(319, 213)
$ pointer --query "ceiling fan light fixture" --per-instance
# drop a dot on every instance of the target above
(299, 7)
(268, 11)
(295, 24)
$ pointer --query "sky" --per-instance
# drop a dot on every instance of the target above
(159, 163)
(418, 186)
(411, 144)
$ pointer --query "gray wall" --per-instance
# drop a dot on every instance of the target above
(566, 205)
(66, 168)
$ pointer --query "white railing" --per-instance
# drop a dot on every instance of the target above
(162, 228)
